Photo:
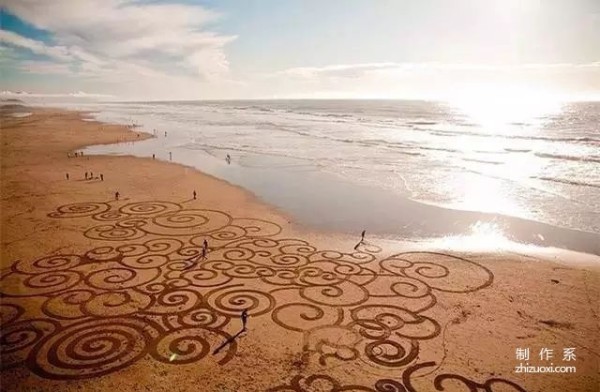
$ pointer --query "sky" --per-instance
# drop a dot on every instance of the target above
(266, 49)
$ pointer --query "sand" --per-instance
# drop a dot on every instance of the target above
(105, 295)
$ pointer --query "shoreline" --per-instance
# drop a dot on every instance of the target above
(345, 207)
(498, 299)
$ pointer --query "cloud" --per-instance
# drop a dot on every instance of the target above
(77, 94)
(362, 70)
(55, 52)
(100, 38)
(45, 68)
(434, 80)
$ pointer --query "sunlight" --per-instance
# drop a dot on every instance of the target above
(486, 194)
(493, 106)
(483, 236)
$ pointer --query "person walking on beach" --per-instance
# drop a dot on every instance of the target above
(228, 159)
(194, 195)
(165, 133)
(244, 316)
(91, 176)
(86, 175)
(117, 194)
(67, 176)
(153, 156)
(101, 177)
(362, 239)
(75, 154)
(205, 244)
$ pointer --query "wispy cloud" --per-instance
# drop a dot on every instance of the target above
(361, 70)
(55, 52)
(120, 39)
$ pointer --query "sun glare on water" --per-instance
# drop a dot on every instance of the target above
(493, 107)
(483, 236)
(498, 114)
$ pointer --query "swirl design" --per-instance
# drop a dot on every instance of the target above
(156, 292)
(92, 348)
(78, 210)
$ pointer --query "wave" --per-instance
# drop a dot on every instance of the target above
(421, 122)
(568, 157)
(440, 132)
(569, 182)
(482, 161)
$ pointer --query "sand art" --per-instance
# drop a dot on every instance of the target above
(150, 294)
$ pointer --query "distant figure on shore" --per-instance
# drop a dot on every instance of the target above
(165, 133)
(101, 177)
(91, 176)
(362, 239)
(228, 159)
(67, 176)
(81, 153)
(86, 175)
(194, 195)
(203, 254)
(205, 244)
(75, 154)
(153, 156)
(117, 194)
(244, 318)
(170, 156)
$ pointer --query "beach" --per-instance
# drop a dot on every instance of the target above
(101, 294)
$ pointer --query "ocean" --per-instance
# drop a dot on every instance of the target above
(412, 168)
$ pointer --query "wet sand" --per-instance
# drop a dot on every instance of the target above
(100, 294)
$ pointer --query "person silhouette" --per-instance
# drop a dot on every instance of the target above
(101, 177)
(244, 316)
(362, 235)
(205, 244)
(67, 176)
(86, 175)
(194, 195)
(153, 156)
(117, 194)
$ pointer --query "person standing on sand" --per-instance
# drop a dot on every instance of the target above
(244, 318)
(67, 176)
(228, 159)
(117, 194)
(170, 156)
(194, 195)
(101, 177)
(362, 235)
(86, 175)
(153, 156)
(91, 176)
(75, 154)
(205, 244)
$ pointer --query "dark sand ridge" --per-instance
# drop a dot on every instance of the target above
(99, 294)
